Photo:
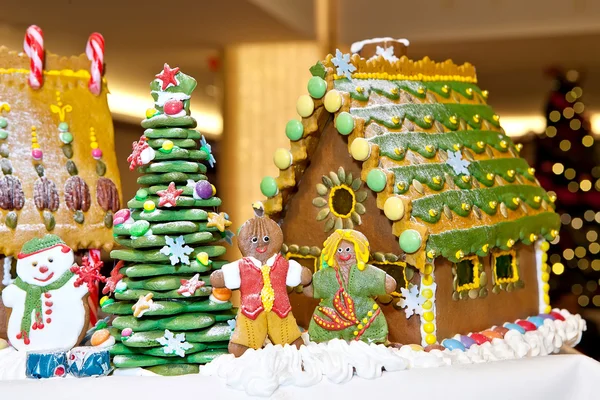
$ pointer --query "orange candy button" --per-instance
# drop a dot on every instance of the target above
(222, 294)
(492, 334)
(100, 337)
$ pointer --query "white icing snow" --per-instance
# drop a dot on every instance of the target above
(261, 372)
(163, 97)
(357, 46)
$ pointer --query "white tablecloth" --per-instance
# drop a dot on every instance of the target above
(551, 377)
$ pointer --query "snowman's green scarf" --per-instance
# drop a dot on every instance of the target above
(33, 299)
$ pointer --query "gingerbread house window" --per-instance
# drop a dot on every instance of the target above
(506, 267)
(467, 271)
(398, 271)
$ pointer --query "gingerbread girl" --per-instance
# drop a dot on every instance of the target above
(262, 276)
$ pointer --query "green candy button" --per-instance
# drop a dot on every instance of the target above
(139, 228)
(63, 127)
(141, 194)
(376, 180)
(268, 186)
(317, 87)
(410, 241)
(66, 137)
(3, 134)
(344, 123)
(3, 123)
(294, 130)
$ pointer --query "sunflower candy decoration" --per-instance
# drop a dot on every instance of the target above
(340, 199)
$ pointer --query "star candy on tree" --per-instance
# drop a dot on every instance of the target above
(142, 305)
(88, 273)
(177, 252)
(167, 76)
(113, 280)
(189, 287)
(387, 53)
(411, 300)
(168, 198)
(219, 221)
(342, 62)
(457, 163)
(174, 344)
(208, 149)
(141, 154)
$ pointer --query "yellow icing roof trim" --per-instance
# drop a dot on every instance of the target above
(407, 69)
(82, 73)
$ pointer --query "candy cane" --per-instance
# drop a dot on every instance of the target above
(95, 53)
(34, 48)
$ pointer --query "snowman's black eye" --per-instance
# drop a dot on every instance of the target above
(254, 239)
(266, 239)
(51, 259)
(34, 264)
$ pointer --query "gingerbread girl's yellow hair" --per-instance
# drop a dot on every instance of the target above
(360, 242)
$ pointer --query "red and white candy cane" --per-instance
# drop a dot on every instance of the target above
(94, 50)
(34, 48)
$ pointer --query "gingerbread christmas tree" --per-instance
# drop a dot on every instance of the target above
(168, 318)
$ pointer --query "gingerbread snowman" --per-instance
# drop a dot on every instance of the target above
(47, 299)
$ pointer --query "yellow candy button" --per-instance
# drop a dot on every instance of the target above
(393, 208)
(282, 158)
(430, 339)
(167, 145)
(360, 149)
(94, 145)
(305, 106)
(332, 101)
(149, 206)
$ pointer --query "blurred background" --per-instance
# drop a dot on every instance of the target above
(537, 58)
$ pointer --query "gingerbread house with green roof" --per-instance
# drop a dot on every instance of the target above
(409, 153)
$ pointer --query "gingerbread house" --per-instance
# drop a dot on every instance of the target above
(59, 169)
(409, 153)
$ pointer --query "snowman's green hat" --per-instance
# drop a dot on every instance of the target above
(36, 245)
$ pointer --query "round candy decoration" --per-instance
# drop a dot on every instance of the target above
(141, 194)
(376, 180)
(3, 134)
(360, 149)
(96, 154)
(268, 186)
(214, 190)
(344, 123)
(305, 106)
(167, 146)
(149, 206)
(453, 344)
(173, 107)
(317, 87)
(410, 241)
(126, 332)
(393, 208)
(282, 158)
(294, 130)
(4, 123)
(203, 189)
(139, 228)
(332, 101)
(121, 216)
(37, 154)
(150, 112)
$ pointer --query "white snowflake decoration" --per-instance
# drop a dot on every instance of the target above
(177, 252)
(204, 145)
(232, 323)
(387, 53)
(411, 300)
(458, 164)
(342, 62)
(174, 344)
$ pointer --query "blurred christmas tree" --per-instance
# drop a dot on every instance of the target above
(567, 164)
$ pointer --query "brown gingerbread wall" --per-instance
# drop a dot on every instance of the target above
(301, 227)
(471, 315)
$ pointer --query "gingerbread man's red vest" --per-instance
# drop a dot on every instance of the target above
(252, 284)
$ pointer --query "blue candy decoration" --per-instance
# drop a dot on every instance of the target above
(467, 341)
(46, 365)
(89, 361)
(514, 327)
(547, 316)
(536, 320)
(453, 344)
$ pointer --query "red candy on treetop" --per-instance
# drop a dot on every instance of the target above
(167, 76)
(173, 107)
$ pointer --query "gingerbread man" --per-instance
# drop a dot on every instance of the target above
(262, 276)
